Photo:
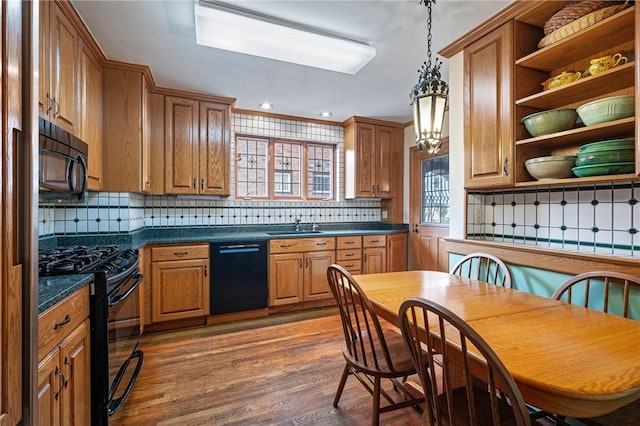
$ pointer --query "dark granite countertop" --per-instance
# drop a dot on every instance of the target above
(52, 290)
(227, 233)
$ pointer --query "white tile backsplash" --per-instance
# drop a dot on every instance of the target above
(109, 212)
(600, 219)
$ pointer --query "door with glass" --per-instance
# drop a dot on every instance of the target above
(429, 208)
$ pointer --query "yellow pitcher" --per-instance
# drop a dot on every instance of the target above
(598, 65)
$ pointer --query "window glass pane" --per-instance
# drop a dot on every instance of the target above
(435, 190)
(287, 168)
(252, 167)
(319, 171)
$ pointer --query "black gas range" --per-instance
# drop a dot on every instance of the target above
(116, 358)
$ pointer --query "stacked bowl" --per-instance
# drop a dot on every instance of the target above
(609, 157)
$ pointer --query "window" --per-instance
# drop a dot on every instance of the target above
(282, 169)
(435, 190)
(252, 161)
(320, 171)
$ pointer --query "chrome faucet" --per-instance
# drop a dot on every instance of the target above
(298, 219)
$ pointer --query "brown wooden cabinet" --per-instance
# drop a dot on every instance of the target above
(349, 253)
(64, 384)
(504, 72)
(58, 71)
(397, 252)
(126, 156)
(179, 282)
(488, 111)
(298, 269)
(197, 147)
(91, 99)
(372, 157)
(374, 254)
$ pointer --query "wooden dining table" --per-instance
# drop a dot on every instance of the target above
(566, 359)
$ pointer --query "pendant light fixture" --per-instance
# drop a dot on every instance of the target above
(429, 98)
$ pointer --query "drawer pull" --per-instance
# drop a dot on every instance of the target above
(324, 243)
(66, 320)
(375, 241)
(181, 253)
(348, 255)
(350, 265)
(285, 245)
(349, 242)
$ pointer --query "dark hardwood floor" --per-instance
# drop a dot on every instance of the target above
(282, 370)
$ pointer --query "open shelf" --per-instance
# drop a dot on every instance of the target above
(579, 181)
(603, 131)
(620, 77)
(612, 31)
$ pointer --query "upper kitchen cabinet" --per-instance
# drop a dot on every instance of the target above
(372, 158)
(127, 151)
(508, 63)
(58, 71)
(488, 116)
(91, 100)
(197, 147)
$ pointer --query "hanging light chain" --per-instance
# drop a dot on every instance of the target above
(428, 4)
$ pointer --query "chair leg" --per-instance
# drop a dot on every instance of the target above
(343, 380)
(375, 417)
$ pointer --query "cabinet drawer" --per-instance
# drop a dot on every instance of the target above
(59, 320)
(352, 266)
(297, 245)
(374, 240)
(348, 242)
(179, 252)
(349, 254)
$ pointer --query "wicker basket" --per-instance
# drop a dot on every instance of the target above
(581, 23)
(573, 11)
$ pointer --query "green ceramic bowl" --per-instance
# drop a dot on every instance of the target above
(551, 121)
(628, 143)
(605, 156)
(607, 109)
(604, 169)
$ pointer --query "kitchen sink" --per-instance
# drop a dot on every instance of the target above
(293, 232)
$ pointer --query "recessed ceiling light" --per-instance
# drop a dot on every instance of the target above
(224, 26)
(326, 113)
(266, 106)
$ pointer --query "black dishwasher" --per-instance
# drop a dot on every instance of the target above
(238, 280)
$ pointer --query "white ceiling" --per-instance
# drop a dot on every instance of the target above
(161, 34)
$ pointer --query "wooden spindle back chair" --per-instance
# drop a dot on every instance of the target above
(484, 391)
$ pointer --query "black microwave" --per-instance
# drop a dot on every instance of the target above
(63, 163)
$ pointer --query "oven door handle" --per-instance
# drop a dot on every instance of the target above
(113, 301)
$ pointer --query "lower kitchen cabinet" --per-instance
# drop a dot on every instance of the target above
(349, 253)
(179, 282)
(64, 386)
(374, 254)
(298, 269)
(397, 255)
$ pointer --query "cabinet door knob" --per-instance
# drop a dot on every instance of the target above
(50, 102)
(205, 271)
(299, 263)
(201, 183)
(505, 167)
(194, 183)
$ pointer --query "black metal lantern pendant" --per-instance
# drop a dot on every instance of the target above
(429, 98)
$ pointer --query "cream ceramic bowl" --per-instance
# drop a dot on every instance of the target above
(553, 167)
